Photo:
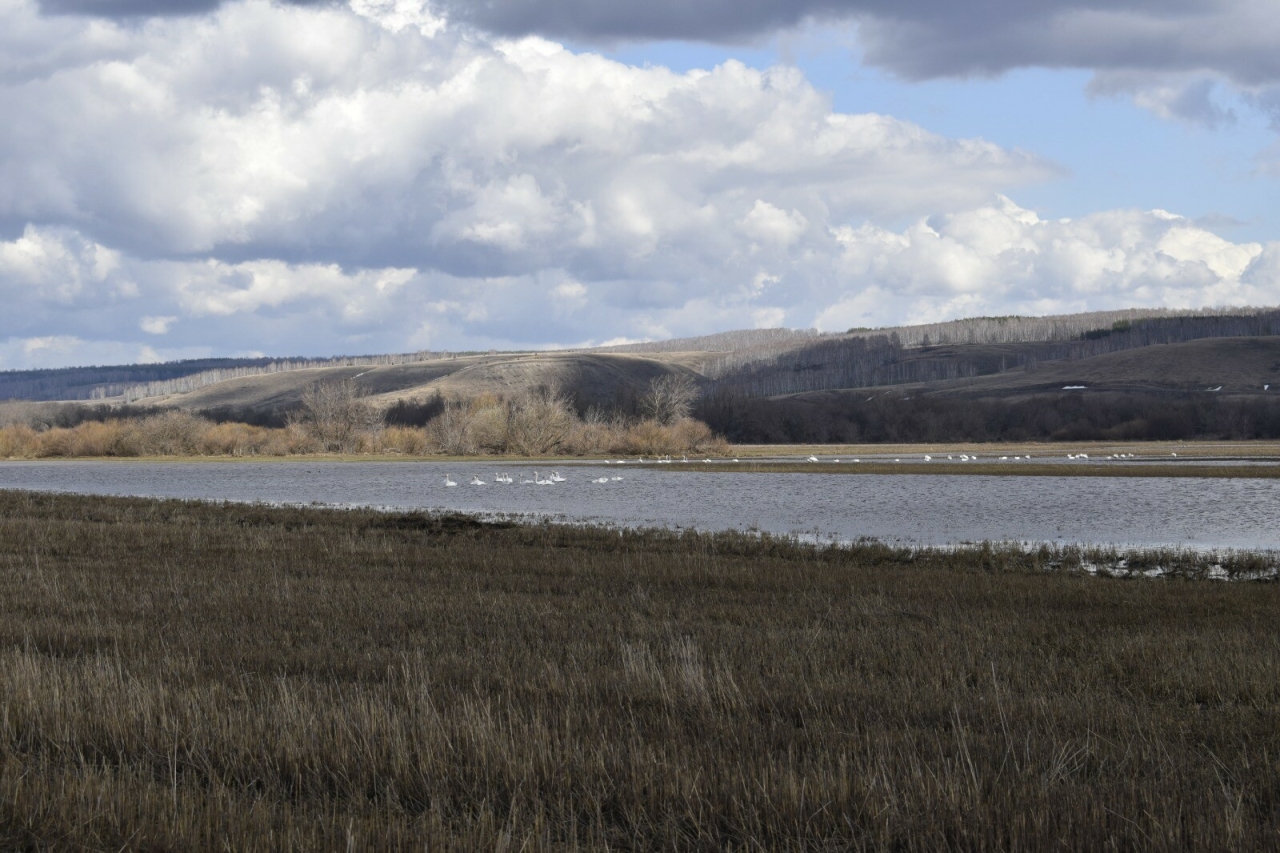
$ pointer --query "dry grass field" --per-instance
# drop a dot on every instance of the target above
(182, 676)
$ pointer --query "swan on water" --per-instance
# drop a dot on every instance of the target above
(928, 458)
(448, 481)
(812, 459)
(615, 478)
(600, 480)
(476, 481)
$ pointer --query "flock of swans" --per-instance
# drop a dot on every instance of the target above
(555, 477)
(538, 480)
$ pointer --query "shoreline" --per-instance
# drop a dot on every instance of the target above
(1116, 560)
(1221, 460)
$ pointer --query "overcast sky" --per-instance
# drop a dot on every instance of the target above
(183, 178)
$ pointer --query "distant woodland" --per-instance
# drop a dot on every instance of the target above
(776, 386)
(863, 361)
(848, 418)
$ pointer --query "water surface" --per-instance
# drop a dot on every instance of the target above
(903, 509)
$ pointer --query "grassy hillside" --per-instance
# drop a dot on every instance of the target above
(1141, 372)
(590, 378)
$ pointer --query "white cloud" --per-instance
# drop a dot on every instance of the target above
(156, 325)
(309, 180)
(1001, 259)
(770, 224)
(318, 134)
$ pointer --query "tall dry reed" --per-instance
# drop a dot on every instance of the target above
(188, 676)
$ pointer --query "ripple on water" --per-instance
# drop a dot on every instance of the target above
(916, 509)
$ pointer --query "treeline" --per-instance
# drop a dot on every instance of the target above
(886, 418)
(83, 383)
(1060, 327)
(860, 361)
(133, 392)
(133, 382)
(334, 418)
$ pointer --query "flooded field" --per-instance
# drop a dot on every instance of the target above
(921, 509)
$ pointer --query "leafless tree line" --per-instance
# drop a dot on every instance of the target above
(857, 361)
(337, 417)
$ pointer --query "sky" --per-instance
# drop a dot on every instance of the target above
(193, 178)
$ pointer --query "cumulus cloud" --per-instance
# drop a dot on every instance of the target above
(1169, 55)
(325, 136)
(367, 178)
(1000, 259)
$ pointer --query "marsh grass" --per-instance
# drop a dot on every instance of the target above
(190, 676)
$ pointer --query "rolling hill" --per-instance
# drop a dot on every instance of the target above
(1002, 358)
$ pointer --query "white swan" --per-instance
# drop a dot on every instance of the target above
(928, 458)
(448, 481)
(812, 459)
(528, 482)
(476, 481)
(600, 480)
(556, 478)
(615, 478)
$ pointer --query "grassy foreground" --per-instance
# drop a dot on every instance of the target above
(190, 676)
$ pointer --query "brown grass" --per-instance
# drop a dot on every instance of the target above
(193, 676)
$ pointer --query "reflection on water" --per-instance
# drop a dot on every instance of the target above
(910, 509)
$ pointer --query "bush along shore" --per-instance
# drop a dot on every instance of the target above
(335, 419)
(189, 676)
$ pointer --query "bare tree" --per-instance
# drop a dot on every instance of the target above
(538, 422)
(336, 416)
(670, 398)
(451, 431)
